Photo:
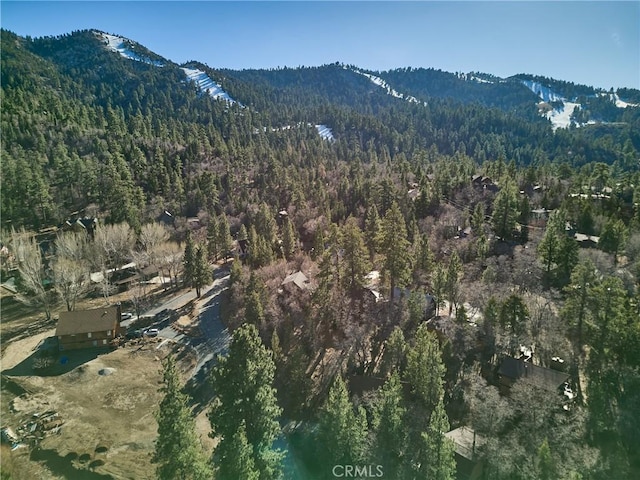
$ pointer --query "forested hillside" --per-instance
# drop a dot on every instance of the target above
(445, 235)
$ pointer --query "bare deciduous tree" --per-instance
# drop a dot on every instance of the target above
(71, 280)
(113, 245)
(73, 246)
(170, 259)
(31, 269)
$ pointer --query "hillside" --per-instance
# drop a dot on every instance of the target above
(410, 252)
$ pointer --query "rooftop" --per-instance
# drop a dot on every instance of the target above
(85, 321)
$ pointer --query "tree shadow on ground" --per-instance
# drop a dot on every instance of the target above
(64, 466)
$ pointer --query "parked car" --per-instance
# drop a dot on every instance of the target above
(151, 332)
(134, 334)
(126, 315)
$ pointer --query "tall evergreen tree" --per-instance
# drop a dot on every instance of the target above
(225, 242)
(505, 211)
(395, 351)
(613, 237)
(395, 246)
(178, 451)
(236, 458)
(288, 239)
(243, 382)
(390, 427)
(425, 370)
(372, 227)
(436, 460)
(213, 246)
(356, 262)
(189, 261)
(342, 430)
(201, 275)
(452, 283)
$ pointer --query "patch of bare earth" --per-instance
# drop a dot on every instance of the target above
(106, 406)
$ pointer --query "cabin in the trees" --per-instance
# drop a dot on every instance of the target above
(481, 182)
(466, 443)
(85, 224)
(513, 369)
(586, 241)
(88, 328)
(297, 279)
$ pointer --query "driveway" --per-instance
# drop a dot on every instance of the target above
(215, 336)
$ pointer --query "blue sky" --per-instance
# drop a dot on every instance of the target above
(593, 43)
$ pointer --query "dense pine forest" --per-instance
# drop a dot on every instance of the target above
(453, 254)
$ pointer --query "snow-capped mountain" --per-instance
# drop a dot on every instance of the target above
(562, 103)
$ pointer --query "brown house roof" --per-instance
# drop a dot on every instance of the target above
(85, 321)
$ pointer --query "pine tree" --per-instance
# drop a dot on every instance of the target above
(395, 246)
(505, 211)
(372, 227)
(201, 271)
(439, 283)
(178, 451)
(477, 219)
(224, 240)
(243, 382)
(288, 239)
(425, 370)
(390, 427)
(424, 260)
(356, 262)
(551, 246)
(452, 282)
(189, 261)
(576, 309)
(437, 456)
(236, 458)
(342, 430)
(613, 237)
(514, 314)
(213, 246)
(395, 352)
(546, 464)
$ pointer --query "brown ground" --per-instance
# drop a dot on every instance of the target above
(104, 412)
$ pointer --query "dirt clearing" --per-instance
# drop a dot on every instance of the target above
(106, 407)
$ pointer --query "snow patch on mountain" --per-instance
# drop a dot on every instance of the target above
(617, 100)
(384, 85)
(470, 77)
(561, 117)
(119, 45)
(325, 132)
(206, 84)
(544, 92)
